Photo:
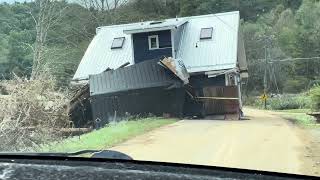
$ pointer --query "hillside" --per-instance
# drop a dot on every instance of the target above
(272, 29)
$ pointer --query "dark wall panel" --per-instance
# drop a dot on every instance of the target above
(199, 81)
(141, 46)
(142, 102)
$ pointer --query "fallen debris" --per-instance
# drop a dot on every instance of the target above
(79, 109)
(139, 89)
(31, 103)
(177, 67)
(316, 115)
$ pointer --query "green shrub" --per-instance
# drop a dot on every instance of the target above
(301, 101)
(298, 101)
(315, 97)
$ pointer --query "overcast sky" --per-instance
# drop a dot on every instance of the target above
(12, 1)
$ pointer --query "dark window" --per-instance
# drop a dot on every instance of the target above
(117, 43)
(206, 33)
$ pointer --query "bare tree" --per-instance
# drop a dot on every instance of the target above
(49, 12)
(103, 5)
(101, 9)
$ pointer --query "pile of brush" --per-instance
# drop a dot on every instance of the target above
(32, 112)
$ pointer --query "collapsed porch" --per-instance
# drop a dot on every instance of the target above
(161, 88)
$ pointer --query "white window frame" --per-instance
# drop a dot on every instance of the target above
(157, 42)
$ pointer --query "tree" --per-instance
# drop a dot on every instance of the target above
(103, 11)
(48, 14)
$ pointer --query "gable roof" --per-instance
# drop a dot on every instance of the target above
(218, 53)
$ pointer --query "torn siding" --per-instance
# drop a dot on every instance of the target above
(242, 59)
(177, 34)
(141, 89)
(177, 67)
(147, 74)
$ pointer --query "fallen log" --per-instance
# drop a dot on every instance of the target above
(316, 115)
(64, 131)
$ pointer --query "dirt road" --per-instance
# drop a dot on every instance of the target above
(265, 142)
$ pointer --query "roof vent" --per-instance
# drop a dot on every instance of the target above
(156, 22)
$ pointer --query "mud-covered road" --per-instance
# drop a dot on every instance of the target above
(265, 142)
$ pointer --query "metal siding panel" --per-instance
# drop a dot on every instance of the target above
(141, 46)
(138, 102)
(134, 78)
(220, 106)
(99, 56)
(218, 53)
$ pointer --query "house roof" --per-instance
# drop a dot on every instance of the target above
(218, 53)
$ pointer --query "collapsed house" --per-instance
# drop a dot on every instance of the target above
(189, 66)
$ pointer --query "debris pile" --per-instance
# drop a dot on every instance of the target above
(79, 110)
(31, 113)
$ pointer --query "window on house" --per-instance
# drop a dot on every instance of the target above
(206, 33)
(117, 43)
(153, 42)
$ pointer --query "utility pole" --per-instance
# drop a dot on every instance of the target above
(265, 76)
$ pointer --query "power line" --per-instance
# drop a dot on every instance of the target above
(283, 60)
(225, 22)
(294, 59)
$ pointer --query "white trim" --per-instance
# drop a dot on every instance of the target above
(141, 30)
(165, 48)
(147, 27)
(132, 49)
(157, 42)
(172, 32)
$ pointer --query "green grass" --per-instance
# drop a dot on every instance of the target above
(301, 119)
(295, 110)
(107, 137)
(286, 101)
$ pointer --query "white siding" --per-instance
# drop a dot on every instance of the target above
(217, 53)
(99, 55)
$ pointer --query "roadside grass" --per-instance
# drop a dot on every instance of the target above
(108, 136)
(295, 110)
(283, 102)
(301, 119)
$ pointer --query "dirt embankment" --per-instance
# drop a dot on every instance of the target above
(311, 151)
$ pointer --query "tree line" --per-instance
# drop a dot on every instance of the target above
(273, 30)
